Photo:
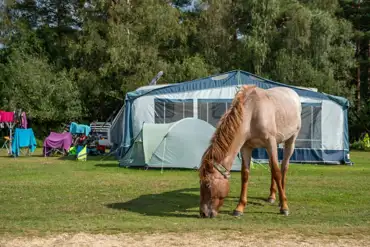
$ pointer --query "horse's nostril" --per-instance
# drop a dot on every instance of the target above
(202, 215)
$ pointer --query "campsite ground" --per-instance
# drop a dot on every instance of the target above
(52, 201)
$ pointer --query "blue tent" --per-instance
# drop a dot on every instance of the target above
(322, 139)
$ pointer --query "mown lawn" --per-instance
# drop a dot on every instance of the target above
(49, 195)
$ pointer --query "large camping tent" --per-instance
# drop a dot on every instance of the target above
(154, 109)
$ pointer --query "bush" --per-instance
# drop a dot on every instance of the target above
(363, 144)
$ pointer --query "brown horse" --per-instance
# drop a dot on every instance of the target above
(257, 118)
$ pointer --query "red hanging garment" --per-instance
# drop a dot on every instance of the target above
(6, 117)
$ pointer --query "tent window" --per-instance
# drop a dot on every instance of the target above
(310, 134)
(168, 111)
(211, 111)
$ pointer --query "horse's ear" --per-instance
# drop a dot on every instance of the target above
(247, 91)
(247, 88)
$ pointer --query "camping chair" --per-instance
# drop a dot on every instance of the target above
(53, 151)
(57, 143)
(6, 143)
(25, 151)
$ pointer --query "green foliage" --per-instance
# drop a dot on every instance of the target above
(30, 83)
(74, 60)
(362, 144)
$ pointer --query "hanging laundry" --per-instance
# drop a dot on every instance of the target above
(6, 117)
(23, 138)
(24, 121)
(75, 128)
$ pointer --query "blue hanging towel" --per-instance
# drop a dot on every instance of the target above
(23, 138)
(75, 128)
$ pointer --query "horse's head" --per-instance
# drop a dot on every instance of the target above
(214, 177)
(214, 187)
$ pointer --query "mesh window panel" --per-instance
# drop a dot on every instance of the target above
(316, 128)
(202, 111)
(159, 111)
(188, 109)
(168, 112)
(212, 112)
(215, 112)
(310, 134)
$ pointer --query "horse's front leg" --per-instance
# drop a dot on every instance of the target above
(246, 161)
(272, 196)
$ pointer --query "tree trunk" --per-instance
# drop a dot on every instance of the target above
(368, 68)
(358, 88)
(358, 79)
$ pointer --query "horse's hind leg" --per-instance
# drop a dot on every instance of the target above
(272, 151)
(288, 152)
(246, 161)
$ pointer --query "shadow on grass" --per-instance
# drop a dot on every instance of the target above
(89, 157)
(108, 165)
(177, 203)
(21, 156)
(146, 168)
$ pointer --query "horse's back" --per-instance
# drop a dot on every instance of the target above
(285, 96)
(288, 110)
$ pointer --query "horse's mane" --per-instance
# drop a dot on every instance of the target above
(223, 137)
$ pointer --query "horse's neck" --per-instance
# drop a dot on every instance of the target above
(240, 137)
(228, 161)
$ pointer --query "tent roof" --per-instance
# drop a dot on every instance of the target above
(150, 87)
(231, 78)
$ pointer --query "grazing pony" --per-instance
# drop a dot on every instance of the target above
(257, 118)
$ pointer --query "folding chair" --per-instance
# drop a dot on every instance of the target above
(25, 151)
(6, 143)
(53, 151)
(57, 143)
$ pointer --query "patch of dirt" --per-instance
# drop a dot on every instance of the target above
(184, 239)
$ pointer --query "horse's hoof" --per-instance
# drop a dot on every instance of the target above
(271, 200)
(285, 212)
(237, 213)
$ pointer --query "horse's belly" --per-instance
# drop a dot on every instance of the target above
(256, 143)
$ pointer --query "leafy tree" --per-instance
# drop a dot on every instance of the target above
(93, 52)
(30, 83)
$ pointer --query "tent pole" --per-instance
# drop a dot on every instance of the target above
(10, 139)
(164, 150)
(238, 77)
(10, 126)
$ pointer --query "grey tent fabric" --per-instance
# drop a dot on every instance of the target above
(180, 144)
(117, 129)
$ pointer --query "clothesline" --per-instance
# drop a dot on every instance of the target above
(8, 117)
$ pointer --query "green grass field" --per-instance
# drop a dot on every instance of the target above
(50, 195)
